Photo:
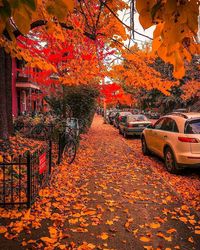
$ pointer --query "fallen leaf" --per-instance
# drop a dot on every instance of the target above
(31, 241)
(109, 222)
(79, 230)
(183, 219)
(144, 239)
(185, 208)
(192, 222)
(91, 212)
(90, 245)
(171, 230)
(24, 243)
(154, 225)
(129, 221)
(27, 215)
(62, 247)
(104, 236)
(190, 239)
(148, 247)
(48, 240)
(73, 221)
(161, 235)
(135, 231)
(53, 232)
(168, 198)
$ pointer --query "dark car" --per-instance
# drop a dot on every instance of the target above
(119, 116)
(133, 124)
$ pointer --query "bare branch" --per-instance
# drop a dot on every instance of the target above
(129, 28)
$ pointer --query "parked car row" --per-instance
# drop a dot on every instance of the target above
(129, 123)
(174, 137)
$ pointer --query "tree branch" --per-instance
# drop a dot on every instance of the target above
(129, 28)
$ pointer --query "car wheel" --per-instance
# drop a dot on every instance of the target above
(145, 149)
(170, 161)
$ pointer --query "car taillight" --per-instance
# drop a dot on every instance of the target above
(187, 139)
(130, 125)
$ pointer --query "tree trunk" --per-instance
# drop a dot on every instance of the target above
(8, 82)
(64, 110)
(3, 110)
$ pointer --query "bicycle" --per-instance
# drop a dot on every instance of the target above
(67, 146)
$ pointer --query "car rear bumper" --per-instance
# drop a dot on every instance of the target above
(135, 131)
(190, 160)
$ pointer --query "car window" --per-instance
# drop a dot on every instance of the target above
(133, 118)
(169, 125)
(159, 123)
(193, 127)
(175, 127)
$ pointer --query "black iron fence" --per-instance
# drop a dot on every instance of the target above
(23, 177)
(59, 135)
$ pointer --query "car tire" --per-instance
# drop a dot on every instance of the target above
(120, 132)
(170, 161)
(145, 149)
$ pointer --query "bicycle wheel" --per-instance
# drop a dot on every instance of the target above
(69, 152)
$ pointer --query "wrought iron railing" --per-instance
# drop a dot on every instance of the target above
(23, 177)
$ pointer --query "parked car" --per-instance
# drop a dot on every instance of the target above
(119, 116)
(176, 139)
(133, 124)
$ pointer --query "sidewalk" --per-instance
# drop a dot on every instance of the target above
(106, 200)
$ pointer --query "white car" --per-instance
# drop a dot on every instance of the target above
(176, 139)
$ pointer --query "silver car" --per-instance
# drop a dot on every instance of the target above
(131, 125)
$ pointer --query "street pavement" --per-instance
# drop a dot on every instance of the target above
(118, 202)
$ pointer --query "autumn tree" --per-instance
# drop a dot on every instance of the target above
(17, 18)
(174, 36)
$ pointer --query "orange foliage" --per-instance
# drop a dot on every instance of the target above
(135, 70)
(191, 89)
(113, 94)
(174, 38)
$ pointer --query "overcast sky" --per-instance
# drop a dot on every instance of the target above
(124, 16)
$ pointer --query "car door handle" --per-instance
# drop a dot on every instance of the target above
(165, 136)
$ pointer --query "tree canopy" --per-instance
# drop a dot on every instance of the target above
(75, 40)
